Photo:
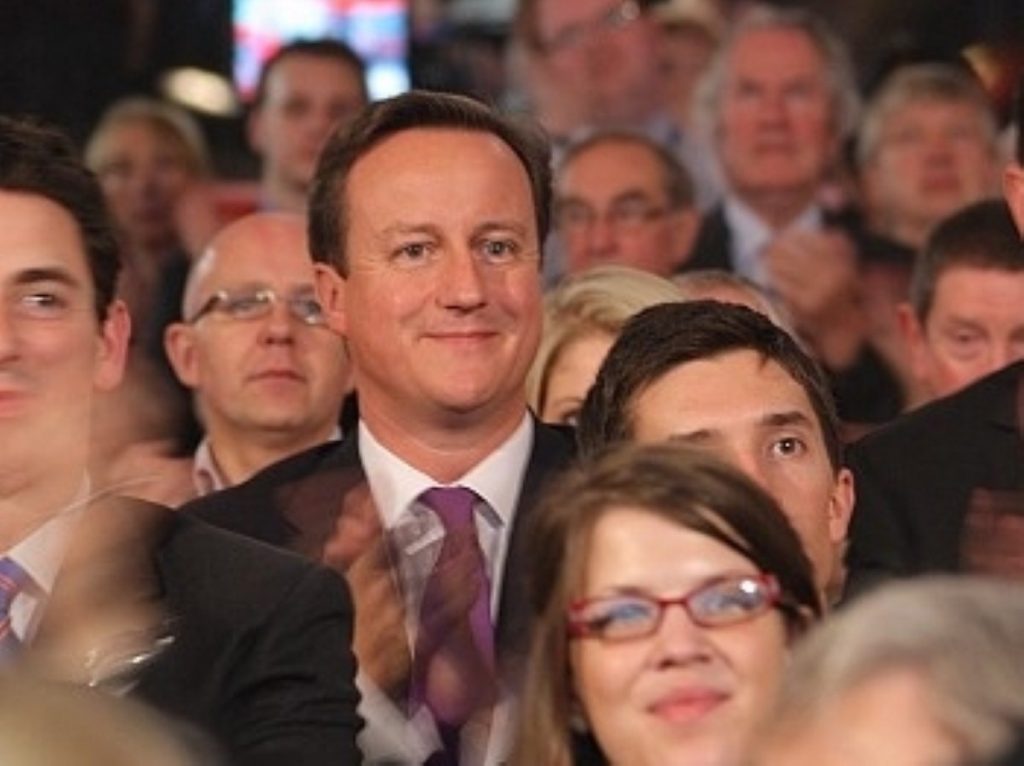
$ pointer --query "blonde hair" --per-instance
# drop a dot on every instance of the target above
(595, 301)
(167, 120)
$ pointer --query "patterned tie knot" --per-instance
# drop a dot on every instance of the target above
(12, 579)
(453, 505)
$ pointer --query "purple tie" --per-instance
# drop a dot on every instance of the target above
(453, 665)
(12, 580)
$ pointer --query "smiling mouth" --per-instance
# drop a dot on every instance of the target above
(688, 706)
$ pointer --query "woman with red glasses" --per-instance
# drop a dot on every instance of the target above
(667, 591)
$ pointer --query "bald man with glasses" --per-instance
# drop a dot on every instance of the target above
(267, 375)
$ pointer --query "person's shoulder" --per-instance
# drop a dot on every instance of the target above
(974, 409)
(202, 564)
(221, 507)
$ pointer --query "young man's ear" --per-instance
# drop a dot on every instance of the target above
(112, 347)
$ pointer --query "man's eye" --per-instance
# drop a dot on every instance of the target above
(41, 304)
(789, 446)
(244, 305)
(412, 253)
(499, 249)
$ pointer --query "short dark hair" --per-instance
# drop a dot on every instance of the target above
(409, 111)
(676, 178)
(325, 48)
(980, 236)
(661, 338)
(37, 159)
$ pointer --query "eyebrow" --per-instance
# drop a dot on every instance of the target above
(491, 226)
(786, 418)
(770, 420)
(46, 274)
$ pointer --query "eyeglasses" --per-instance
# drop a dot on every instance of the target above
(257, 303)
(624, 215)
(621, 15)
(715, 604)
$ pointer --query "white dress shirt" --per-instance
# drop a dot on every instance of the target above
(749, 235)
(41, 554)
(416, 533)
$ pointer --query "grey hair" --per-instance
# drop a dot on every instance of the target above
(845, 98)
(962, 634)
(915, 83)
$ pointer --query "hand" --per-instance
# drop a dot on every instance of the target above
(815, 274)
(358, 548)
(380, 643)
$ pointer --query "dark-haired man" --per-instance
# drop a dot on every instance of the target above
(724, 377)
(965, 318)
(305, 90)
(246, 643)
(942, 489)
(427, 217)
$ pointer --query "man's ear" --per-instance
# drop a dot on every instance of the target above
(1013, 190)
(330, 290)
(180, 346)
(913, 333)
(112, 347)
(840, 507)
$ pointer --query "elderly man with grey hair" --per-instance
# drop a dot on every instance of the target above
(776, 103)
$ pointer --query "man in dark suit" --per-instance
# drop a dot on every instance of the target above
(245, 643)
(942, 489)
(427, 216)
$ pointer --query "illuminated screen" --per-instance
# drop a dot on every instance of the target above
(376, 29)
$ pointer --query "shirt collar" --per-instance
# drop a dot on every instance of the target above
(42, 552)
(750, 235)
(497, 479)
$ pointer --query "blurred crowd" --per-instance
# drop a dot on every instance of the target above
(668, 411)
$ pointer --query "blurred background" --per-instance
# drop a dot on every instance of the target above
(66, 60)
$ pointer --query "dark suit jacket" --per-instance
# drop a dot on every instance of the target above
(917, 480)
(713, 246)
(295, 504)
(259, 658)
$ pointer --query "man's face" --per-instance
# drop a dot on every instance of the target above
(306, 97)
(975, 327)
(54, 354)
(270, 374)
(753, 414)
(933, 158)
(604, 52)
(612, 207)
(776, 132)
(441, 304)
